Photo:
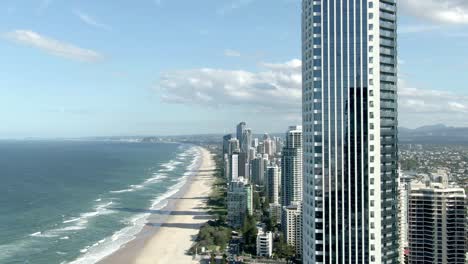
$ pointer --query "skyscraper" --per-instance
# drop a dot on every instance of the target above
(258, 170)
(233, 167)
(246, 140)
(272, 184)
(291, 167)
(226, 144)
(240, 132)
(233, 146)
(350, 131)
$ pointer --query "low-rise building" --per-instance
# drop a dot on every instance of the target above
(264, 243)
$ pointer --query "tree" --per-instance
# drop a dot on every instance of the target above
(249, 233)
(282, 250)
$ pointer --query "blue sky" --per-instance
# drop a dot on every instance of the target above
(95, 68)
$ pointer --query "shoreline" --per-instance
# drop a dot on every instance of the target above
(170, 231)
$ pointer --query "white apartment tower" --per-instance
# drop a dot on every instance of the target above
(437, 221)
(292, 226)
(272, 184)
(233, 167)
(349, 106)
(291, 167)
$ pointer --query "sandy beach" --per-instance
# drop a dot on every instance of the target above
(171, 231)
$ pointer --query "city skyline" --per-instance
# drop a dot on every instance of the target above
(72, 69)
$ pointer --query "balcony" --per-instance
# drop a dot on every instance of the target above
(387, 16)
(387, 7)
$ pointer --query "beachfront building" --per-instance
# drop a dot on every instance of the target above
(226, 144)
(264, 243)
(239, 202)
(437, 224)
(291, 167)
(292, 226)
(272, 184)
(233, 146)
(233, 167)
(226, 162)
(349, 95)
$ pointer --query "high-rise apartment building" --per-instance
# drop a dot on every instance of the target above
(233, 167)
(239, 201)
(404, 189)
(292, 226)
(226, 144)
(349, 70)
(240, 131)
(233, 146)
(246, 141)
(272, 184)
(291, 167)
(258, 170)
(436, 224)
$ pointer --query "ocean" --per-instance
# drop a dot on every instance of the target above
(77, 201)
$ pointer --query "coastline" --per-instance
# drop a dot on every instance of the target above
(170, 231)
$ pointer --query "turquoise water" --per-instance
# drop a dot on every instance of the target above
(76, 202)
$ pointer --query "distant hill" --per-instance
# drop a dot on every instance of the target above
(434, 134)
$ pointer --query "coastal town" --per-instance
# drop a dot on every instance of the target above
(257, 205)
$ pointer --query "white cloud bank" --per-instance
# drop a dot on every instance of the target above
(53, 46)
(276, 90)
(422, 107)
(439, 11)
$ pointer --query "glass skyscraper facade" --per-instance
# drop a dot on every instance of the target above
(350, 131)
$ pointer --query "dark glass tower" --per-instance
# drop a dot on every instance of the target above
(350, 131)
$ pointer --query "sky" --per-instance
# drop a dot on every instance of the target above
(82, 68)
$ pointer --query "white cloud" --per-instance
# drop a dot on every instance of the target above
(440, 11)
(276, 88)
(90, 21)
(52, 46)
(424, 107)
(232, 53)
